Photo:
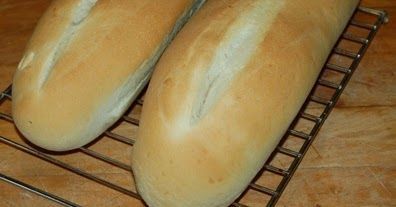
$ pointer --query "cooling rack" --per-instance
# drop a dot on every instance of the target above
(333, 78)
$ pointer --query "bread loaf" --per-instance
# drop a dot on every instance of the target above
(86, 62)
(224, 93)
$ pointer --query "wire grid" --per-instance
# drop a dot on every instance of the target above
(322, 98)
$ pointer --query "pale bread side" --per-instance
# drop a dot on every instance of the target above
(225, 91)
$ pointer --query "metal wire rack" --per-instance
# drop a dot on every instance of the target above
(322, 99)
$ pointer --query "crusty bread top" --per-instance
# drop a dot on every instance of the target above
(225, 91)
(85, 62)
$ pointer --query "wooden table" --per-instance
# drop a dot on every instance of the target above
(351, 163)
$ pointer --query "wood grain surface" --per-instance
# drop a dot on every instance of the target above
(351, 163)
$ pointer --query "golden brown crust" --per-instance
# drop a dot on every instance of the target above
(206, 157)
(85, 63)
